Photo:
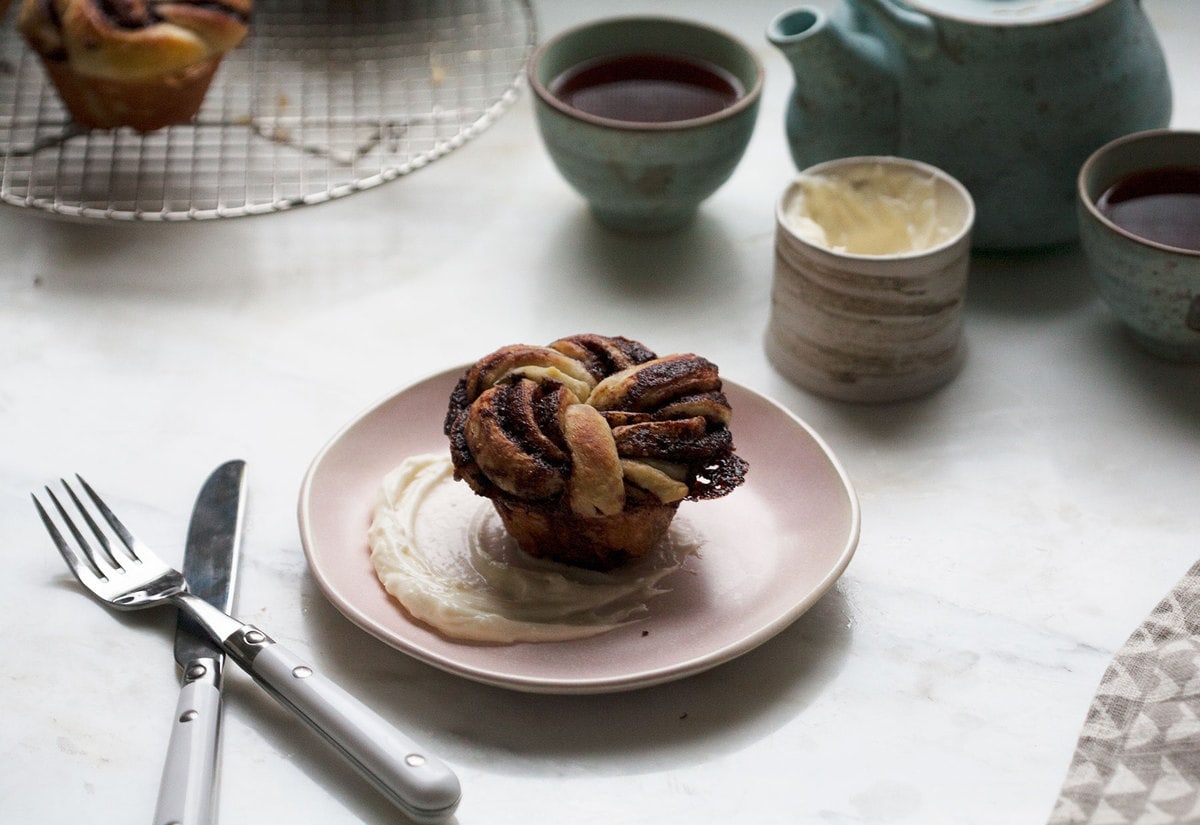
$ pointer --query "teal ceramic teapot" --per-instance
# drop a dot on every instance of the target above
(1008, 96)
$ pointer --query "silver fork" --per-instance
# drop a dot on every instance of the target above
(125, 574)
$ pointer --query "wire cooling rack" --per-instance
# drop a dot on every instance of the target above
(324, 99)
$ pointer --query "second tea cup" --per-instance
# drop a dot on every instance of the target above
(642, 164)
(1139, 226)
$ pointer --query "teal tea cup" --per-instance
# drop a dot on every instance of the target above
(1139, 225)
(645, 117)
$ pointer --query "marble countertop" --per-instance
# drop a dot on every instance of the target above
(1017, 525)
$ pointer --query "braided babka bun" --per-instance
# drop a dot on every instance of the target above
(587, 446)
(139, 63)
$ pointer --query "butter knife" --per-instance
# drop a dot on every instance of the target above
(210, 561)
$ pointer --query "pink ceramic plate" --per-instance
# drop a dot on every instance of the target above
(770, 550)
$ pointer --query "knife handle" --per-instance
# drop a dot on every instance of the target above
(185, 794)
(417, 782)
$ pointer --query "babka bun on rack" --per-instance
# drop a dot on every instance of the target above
(587, 446)
(144, 64)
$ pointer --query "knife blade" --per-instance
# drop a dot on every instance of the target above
(210, 566)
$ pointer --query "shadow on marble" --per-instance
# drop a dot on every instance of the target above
(477, 727)
(882, 425)
(118, 256)
(1170, 389)
(1040, 283)
(688, 721)
(302, 259)
(695, 260)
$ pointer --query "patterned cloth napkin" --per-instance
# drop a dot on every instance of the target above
(1138, 757)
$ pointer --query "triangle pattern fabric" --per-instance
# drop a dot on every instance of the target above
(1106, 814)
(1153, 816)
(1186, 727)
(1137, 761)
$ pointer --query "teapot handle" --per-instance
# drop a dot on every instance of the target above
(916, 31)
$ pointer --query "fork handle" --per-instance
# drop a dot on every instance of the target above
(417, 782)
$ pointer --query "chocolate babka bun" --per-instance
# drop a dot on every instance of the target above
(133, 39)
(145, 64)
(592, 425)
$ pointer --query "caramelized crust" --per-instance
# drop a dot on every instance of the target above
(649, 386)
(510, 363)
(685, 440)
(601, 355)
(711, 406)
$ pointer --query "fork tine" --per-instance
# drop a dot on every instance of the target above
(127, 538)
(105, 544)
(84, 567)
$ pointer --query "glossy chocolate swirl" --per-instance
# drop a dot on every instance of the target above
(592, 424)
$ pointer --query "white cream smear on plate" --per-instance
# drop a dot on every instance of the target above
(868, 210)
(443, 553)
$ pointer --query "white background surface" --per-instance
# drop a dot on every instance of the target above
(1017, 525)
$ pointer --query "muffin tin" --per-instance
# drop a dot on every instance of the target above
(324, 99)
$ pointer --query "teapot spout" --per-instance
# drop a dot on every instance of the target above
(791, 32)
(845, 98)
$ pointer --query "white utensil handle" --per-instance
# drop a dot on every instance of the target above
(419, 783)
(186, 792)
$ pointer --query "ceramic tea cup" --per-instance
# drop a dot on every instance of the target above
(871, 262)
(1139, 225)
(645, 166)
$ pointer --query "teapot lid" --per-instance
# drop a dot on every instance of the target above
(1005, 12)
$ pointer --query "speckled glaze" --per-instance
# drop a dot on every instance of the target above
(1009, 98)
(644, 177)
(870, 328)
(1154, 289)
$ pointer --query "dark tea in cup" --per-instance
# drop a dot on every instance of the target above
(647, 88)
(1161, 205)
